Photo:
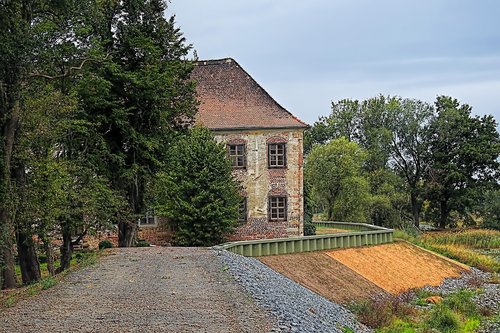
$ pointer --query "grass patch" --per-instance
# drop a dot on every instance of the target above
(9, 298)
(329, 230)
(457, 313)
(472, 238)
(473, 247)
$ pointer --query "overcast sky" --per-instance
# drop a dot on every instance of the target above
(309, 53)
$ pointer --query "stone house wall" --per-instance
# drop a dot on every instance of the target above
(259, 182)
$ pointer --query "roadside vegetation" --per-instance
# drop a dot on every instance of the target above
(10, 298)
(479, 248)
(93, 96)
(412, 312)
(393, 161)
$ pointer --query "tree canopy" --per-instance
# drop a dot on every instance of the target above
(196, 192)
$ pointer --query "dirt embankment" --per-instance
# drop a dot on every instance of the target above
(352, 274)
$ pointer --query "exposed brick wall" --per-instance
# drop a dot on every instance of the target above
(160, 234)
(259, 182)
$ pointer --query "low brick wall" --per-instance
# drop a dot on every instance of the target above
(371, 235)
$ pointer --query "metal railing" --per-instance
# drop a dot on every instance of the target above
(365, 234)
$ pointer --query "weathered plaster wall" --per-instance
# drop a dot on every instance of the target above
(259, 182)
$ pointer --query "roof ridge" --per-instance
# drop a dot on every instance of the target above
(230, 61)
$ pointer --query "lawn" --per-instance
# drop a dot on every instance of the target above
(329, 230)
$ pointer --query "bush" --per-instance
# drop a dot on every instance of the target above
(309, 229)
(197, 191)
(462, 302)
(142, 243)
(105, 244)
(381, 310)
(443, 319)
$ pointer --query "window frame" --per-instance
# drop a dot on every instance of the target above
(235, 157)
(150, 215)
(270, 154)
(278, 207)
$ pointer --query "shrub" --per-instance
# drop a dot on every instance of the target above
(105, 244)
(380, 311)
(142, 243)
(47, 282)
(309, 229)
(197, 191)
(462, 302)
(442, 319)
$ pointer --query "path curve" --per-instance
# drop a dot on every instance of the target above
(157, 289)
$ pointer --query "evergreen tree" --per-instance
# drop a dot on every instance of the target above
(139, 98)
(197, 192)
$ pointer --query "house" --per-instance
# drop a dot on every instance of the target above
(264, 143)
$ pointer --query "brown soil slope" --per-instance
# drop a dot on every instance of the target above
(323, 275)
(398, 266)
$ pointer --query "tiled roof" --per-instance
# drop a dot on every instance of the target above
(231, 99)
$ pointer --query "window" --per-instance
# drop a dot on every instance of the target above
(148, 219)
(277, 208)
(242, 218)
(276, 155)
(237, 156)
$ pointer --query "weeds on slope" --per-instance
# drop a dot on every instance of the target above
(467, 246)
(455, 313)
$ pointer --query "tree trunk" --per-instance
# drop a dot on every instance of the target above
(28, 260)
(49, 252)
(66, 250)
(126, 233)
(8, 275)
(10, 124)
(415, 208)
(127, 229)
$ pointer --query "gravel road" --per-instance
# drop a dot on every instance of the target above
(143, 290)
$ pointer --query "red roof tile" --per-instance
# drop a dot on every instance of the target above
(231, 99)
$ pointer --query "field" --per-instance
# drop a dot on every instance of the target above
(356, 273)
(475, 247)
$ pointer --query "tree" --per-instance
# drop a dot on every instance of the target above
(490, 209)
(463, 154)
(334, 171)
(139, 98)
(197, 192)
(409, 121)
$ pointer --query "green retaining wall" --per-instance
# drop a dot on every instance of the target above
(368, 235)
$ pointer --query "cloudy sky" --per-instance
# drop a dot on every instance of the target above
(309, 53)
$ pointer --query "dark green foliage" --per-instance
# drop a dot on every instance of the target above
(463, 155)
(197, 192)
(142, 243)
(489, 208)
(418, 153)
(309, 228)
(105, 244)
(139, 97)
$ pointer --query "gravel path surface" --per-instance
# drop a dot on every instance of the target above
(298, 309)
(143, 290)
